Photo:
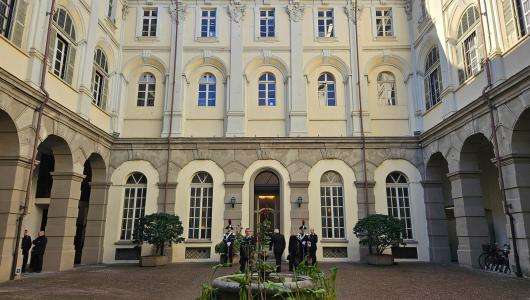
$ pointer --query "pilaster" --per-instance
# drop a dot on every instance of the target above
(95, 226)
(233, 189)
(299, 212)
(436, 221)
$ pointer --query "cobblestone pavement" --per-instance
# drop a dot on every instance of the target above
(182, 281)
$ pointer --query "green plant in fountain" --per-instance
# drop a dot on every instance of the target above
(208, 291)
(379, 232)
(159, 229)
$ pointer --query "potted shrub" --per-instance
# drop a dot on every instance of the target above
(159, 229)
(379, 232)
(220, 249)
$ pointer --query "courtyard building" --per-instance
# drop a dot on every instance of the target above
(324, 111)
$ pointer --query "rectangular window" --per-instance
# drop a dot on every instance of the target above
(6, 16)
(325, 23)
(383, 22)
(133, 209)
(149, 22)
(200, 220)
(525, 15)
(266, 22)
(267, 94)
(61, 57)
(146, 94)
(332, 212)
(397, 198)
(208, 22)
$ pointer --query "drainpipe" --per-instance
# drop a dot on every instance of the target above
(172, 101)
(491, 107)
(363, 137)
(40, 111)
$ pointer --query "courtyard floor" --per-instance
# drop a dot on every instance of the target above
(183, 281)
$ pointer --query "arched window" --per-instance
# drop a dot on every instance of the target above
(62, 46)
(200, 220)
(146, 90)
(12, 20)
(326, 89)
(432, 79)
(100, 76)
(469, 47)
(398, 200)
(267, 90)
(207, 90)
(133, 204)
(386, 88)
(332, 205)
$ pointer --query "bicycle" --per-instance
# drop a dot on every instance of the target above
(494, 258)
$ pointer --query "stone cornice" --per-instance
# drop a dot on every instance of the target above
(463, 174)
(234, 184)
(299, 184)
(360, 184)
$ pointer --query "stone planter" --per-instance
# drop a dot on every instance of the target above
(153, 260)
(380, 260)
(229, 290)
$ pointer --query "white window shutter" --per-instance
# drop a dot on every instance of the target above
(105, 93)
(139, 14)
(256, 22)
(509, 22)
(315, 22)
(71, 64)
(20, 19)
(460, 63)
(481, 48)
(197, 22)
(158, 20)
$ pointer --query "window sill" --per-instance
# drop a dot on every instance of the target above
(411, 242)
(100, 109)
(111, 23)
(266, 39)
(206, 39)
(326, 39)
(50, 71)
(147, 38)
(124, 243)
(427, 111)
(198, 241)
(334, 241)
(468, 80)
(385, 38)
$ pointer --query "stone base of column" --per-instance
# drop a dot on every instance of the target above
(440, 254)
(58, 259)
(235, 124)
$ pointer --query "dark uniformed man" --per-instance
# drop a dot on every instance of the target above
(246, 250)
(37, 252)
(278, 244)
(293, 250)
(303, 238)
(312, 245)
(228, 239)
(25, 245)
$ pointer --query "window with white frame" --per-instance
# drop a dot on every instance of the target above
(62, 49)
(469, 44)
(133, 204)
(7, 9)
(110, 9)
(524, 12)
(267, 90)
(267, 22)
(432, 79)
(398, 201)
(326, 89)
(200, 219)
(100, 74)
(332, 205)
(386, 88)
(207, 90)
(149, 21)
(383, 22)
(208, 22)
(146, 90)
(325, 23)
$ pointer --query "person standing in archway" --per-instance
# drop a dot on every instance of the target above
(228, 240)
(278, 245)
(37, 252)
(25, 245)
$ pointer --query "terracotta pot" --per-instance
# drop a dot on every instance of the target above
(380, 260)
(153, 260)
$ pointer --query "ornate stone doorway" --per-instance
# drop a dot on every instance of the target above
(267, 195)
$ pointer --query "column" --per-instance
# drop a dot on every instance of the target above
(233, 189)
(436, 221)
(353, 119)
(12, 191)
(95, 225)
(62, 216)
(471, 226)
(177, 41)
(364, 208)
(87, 49)
(298, 106)
(169, 189)
(36, 38)
(235, 115)
(517, 185)
(299, 214)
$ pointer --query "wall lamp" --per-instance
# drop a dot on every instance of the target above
(233, 201)
(299, 200)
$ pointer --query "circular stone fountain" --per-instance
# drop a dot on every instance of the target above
(228, 288)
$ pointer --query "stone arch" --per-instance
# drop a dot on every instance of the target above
(331, 61)
(107, 48)
(520, 139)
(211, 61)
(59, 148)
(8, 136)
(388, 60)
(416, 196)
(140, 61)
(455, 14)
(272, 61)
